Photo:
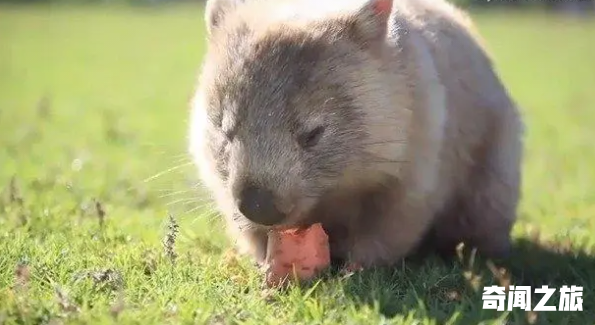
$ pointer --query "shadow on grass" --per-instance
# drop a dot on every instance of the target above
(450, 291)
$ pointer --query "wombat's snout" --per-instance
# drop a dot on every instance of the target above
(258, 205)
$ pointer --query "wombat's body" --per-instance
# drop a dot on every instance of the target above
(384, 121)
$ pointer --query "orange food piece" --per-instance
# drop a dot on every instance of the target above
(299, 252)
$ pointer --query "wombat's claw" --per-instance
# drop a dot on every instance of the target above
(351, 268)
(354, 267)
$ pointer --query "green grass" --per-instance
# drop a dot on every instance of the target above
(93, 101)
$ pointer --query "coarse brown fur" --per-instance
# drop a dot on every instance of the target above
(419, 136)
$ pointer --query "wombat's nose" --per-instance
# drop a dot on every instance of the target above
(258, 205)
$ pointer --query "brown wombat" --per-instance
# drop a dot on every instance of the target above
(384, 121)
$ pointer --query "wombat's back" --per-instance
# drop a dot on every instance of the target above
(477, 103)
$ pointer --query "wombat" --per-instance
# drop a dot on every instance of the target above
(383, 120)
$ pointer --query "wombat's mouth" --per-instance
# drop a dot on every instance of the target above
(294, 219)
(299, 216)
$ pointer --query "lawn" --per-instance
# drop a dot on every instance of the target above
(93, 120)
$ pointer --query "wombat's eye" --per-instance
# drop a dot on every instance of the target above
(310, 139)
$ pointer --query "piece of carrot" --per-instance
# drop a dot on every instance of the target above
(296, 254)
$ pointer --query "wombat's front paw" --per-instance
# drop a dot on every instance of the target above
(353, 267)
(367, 254)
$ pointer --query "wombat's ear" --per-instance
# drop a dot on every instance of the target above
(371, 19)
(215, 11)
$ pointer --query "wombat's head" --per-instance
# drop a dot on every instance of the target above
(283, 110)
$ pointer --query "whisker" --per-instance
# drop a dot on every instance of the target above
(191, 202)
(200, 186)
(246, 227)
(202, 199)
(186, 200)
(181, 159)
(187, 188)
(165, 149)
(194, 209)
(175, 193)
(166, 171)
(163, 190)
(209, 208)
(212, 216)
